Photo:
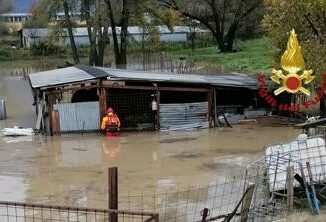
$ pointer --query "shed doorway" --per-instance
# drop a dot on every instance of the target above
(133, 107)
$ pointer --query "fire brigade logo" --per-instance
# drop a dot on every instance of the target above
(293, 79)
(292, 62)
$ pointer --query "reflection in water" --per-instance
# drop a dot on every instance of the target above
(12, 188)
(111, 147)
(17, 139)
(79, 153)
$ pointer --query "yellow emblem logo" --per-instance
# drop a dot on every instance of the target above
(292, 62)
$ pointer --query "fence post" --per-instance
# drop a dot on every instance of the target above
(157, 218)
(113, 193)
(246, 203)
(204, 214)
(289, 188)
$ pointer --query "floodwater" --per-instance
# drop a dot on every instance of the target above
(72, 169)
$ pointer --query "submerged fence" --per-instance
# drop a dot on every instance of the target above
(188, 203)
(22, 212)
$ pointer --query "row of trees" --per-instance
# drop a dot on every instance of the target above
(223, 18)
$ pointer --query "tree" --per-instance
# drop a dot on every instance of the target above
(37, 18)
(5, 6)
(95, 13)
(67, 6)
(68, 25)
(308, 18)
(45, 12)
(222, 17)
(120, 50)
(120, 14)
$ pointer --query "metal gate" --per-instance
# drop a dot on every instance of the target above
(183, 116)
(84, 116)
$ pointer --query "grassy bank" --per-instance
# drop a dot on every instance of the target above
(253, 56)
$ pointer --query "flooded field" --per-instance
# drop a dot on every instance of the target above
(72, 169)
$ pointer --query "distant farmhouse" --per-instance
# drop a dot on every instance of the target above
(32, 37)
(19, 15)
(15, 21)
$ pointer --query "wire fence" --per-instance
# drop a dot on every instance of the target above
(282, 183)
(21, 212)
(188, 203)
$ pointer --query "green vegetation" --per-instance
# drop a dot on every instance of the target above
(8, 53)
(253, 56)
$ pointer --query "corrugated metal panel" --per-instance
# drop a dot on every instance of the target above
(183, 116)
(58, 76)
(82, 73)
(239, 80)
(78, 116)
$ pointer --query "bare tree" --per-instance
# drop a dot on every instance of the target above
(96, 16)
(222, 17)
(120, 50)
(68, 25)
(6, 6)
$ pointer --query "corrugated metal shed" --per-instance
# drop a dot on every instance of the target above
(83, 73)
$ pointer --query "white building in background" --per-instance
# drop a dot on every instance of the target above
(179, 34)
(15, 21)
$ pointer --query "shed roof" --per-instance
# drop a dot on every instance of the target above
(239, 80)
(65, 76)
(81, 73)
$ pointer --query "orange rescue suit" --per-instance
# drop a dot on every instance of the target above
(111, 122)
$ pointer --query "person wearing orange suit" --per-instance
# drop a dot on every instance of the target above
(111, 123)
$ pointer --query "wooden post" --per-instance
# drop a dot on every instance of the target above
(289, 189)
(55, 123)
(158, 102)
(51, 102)
(204, 215)
(102, 101)
(113, 193)
(246, 203)
(210, 105)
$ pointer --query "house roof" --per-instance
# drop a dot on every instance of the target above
(83, 73)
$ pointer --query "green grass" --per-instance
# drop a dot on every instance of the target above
(253, 56)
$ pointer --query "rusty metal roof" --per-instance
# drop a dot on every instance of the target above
(238, 80)
(82, 73)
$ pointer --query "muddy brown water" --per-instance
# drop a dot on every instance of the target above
(72, 169)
